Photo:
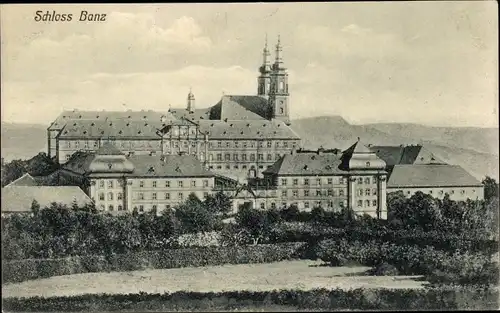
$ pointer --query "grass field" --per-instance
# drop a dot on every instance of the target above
(301, 275)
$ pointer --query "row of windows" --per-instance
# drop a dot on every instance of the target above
(111, 196)
(111, 207)
(166, 196)
(319, 181)
(120, 144)
(319, 193)
(244, 157)
(237, 167)
(367, 192)
(180, 184)
(441, 192)
(367, 180)
(367, 203)
(140, 208)
(251, 144)
(184, 130)
(307, 204)
(185, 144)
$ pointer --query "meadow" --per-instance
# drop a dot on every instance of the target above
(297, 275)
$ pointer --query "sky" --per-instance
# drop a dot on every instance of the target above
(433, 63)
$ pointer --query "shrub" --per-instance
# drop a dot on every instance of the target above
(384, 269)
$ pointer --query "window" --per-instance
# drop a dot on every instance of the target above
(110, 196)
(283, 193)
(318, 193)
(269, 144)
(154, 183)
(180, 196)
(295, 193)
(367, 202)
(154, 195)
(141, 208)
(205, 183)
(235, 157)
(193, 144)
(101, 196)
(306, 193)
(86, 145)
(244, 144)
(283, 204)
(228, 167)
(431, 192)
(193, 183)
(96, 143)
(120, 207)
(154, 207)
(262, 206)
(360, 192)
(119, 196)
(244, 167)
(228, 144)
(101, 183)
(306, 181)
(277, 144)
(141, 196)
(236, 144)
(330, 204)
(318, 181)
(367, 192)
(167, 206)
(440, 192)
(141, 184)
(374, 202)
(219, 144)
(283, 181)
(102, 207)
(77, 144)
(261, 157)
(285, 144)
(219, 156)
(243, 157)
(374, 192)
(110, 184)
(281, 110)
(167, 196)
(360, 180)
(367, 180)
(306, 204)
(110, 208)
(452, 192)
(462, 192)
(408, 192)
(367, 164)
(330, 181)
(269, 157)
(205, 195)
(295, 181)
(261, 144)
(227, 157)
(273, 205)
(277, 157)
(252, 157)
(180, 184)
(167, 184)
(330, 192)
(360, 203)
(341, 192)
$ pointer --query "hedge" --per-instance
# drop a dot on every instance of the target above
(17, 271)
(337, 299)
(439, 240)
(438, 266)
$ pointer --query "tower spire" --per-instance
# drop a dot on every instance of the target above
(279, 59)
(190, 100)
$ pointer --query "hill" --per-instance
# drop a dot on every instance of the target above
(475, 149)
(22, 141)
(479, 139)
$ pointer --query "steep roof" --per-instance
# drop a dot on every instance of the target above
(66, 116)
(79, 162)
(357, 147)
(20, 198)
(307, 164)
(25, 180)
(430, 175)
(413, 154)
(111, 129)
(245, 108)
(168, 166)
(247, 129)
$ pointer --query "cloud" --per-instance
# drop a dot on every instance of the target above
(125, 43)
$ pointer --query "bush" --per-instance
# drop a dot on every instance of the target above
(384, 269)
(337, 299)
(17, 271)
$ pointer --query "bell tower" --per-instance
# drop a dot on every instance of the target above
(278, 94)
(190, 101)
(264, 79)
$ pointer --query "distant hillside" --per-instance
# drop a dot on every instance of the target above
(22, 141)
(479, 139)
(468, 149)
(475, 149)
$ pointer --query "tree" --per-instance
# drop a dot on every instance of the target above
(35, 207)
(194, 216)
(218, 203)
(256, 223)
(490, 188)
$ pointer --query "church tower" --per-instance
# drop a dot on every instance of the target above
(190, 101)
(278, 94)
(264, 80)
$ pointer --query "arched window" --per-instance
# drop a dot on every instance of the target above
(120, 208)
(111, 208)
(110, 196)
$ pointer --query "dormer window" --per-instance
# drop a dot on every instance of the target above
(110, 165)
(367, 164)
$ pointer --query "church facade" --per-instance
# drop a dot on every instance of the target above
(240, 136)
